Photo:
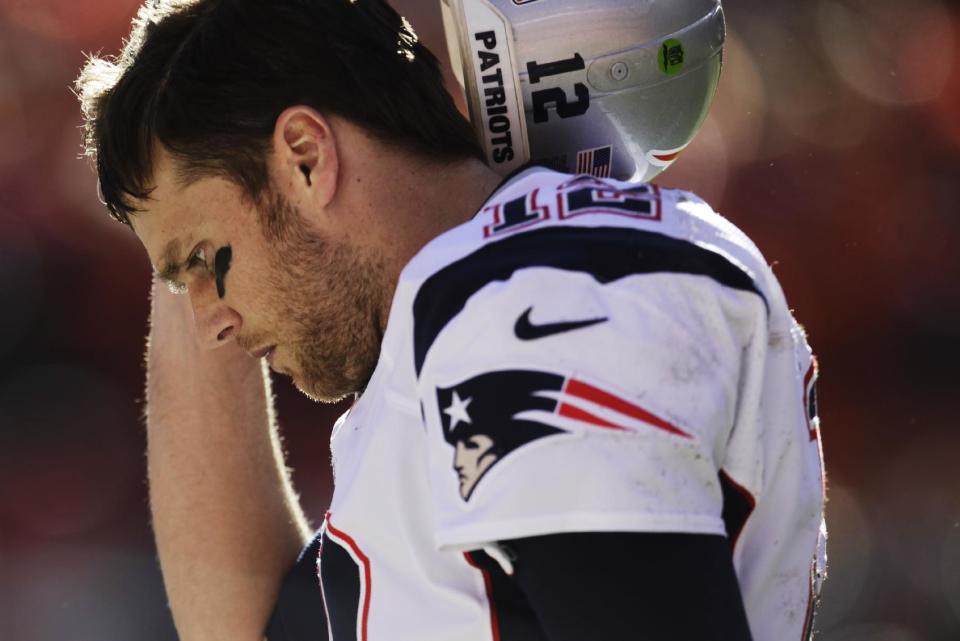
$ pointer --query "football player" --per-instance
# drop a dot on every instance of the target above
(582, 407)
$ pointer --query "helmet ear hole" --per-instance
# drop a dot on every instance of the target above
(613, 88)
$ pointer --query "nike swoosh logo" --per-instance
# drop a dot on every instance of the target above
(527, 331)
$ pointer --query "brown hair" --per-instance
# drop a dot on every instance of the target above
(207, 80)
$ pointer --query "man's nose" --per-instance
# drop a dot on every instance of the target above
(216, 321)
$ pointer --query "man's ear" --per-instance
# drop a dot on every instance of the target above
(305, 157)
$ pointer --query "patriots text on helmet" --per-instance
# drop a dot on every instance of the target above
(495, 98)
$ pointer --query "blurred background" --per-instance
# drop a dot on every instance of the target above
(834, 143)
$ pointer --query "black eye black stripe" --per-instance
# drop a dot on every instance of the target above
(221, 265)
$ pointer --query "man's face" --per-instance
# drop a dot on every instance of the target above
(292, 291)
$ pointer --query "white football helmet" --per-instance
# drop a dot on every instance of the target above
(611, 88)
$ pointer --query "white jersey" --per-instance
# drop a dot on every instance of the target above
(583, 355)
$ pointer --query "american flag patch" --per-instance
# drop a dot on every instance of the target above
(596, 162)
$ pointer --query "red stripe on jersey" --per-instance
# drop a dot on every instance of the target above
(600, 397)
(574, 412)
(366, 573)
(810, 372)
(488, 586)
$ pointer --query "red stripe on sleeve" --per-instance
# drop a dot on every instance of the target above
(572, 411)
(600, 397)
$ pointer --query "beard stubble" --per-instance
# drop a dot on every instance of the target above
(328, 300)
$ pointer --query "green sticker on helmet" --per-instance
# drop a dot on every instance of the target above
(670, 57)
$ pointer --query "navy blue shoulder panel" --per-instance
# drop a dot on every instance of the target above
(606, 253)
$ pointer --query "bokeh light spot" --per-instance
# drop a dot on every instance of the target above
(893, 53)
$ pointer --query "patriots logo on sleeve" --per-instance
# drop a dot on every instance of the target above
(489, 416)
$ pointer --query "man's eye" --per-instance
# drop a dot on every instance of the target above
(198, 259)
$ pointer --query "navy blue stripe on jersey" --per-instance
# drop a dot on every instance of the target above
(738, 505)
(298, 614)
(606, 253)
(511, 617)
(342, 579)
